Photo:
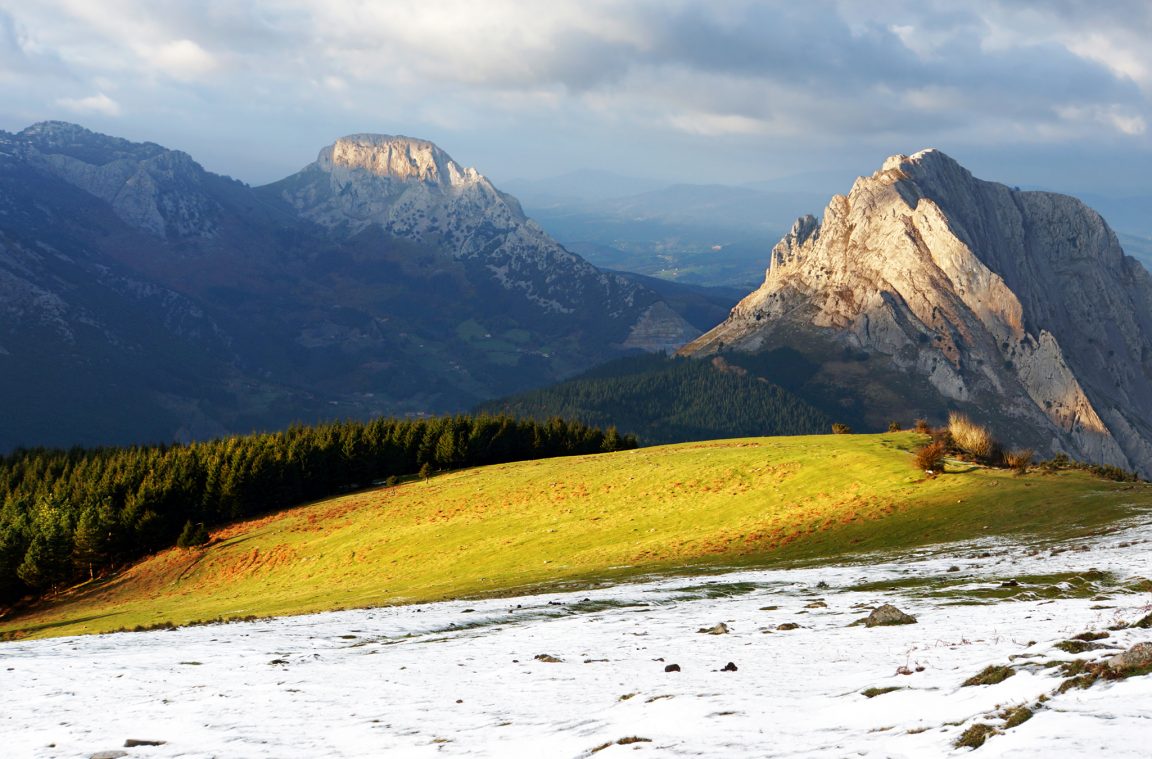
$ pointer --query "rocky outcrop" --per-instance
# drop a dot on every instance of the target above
(1020, 307)
(151, 188)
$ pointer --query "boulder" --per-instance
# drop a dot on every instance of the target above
(888, 615)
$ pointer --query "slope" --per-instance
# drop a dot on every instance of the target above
(520, 527)
(671, 400)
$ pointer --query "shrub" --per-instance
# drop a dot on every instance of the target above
(192, 535)
(425, 471)
(923, 427)
(930, 458)
(1019, 459)
(1057, 462)
(893, 426)
(971, 437)
(1114, 473)
(942, 436)
(841, 429)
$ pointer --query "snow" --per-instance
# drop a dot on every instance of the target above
(461, 678)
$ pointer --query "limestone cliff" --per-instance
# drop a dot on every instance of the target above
(1020, 307)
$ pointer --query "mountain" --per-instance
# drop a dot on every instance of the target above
(147, 299)
(925, 289)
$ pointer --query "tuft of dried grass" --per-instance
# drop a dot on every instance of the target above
(1019, 459)
(970, 437)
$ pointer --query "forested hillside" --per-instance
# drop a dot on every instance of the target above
(69, 515)
(668, 400)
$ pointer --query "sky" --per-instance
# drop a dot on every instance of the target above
(1045, 93)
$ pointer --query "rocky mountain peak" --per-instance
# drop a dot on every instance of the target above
(396, 157)
(1019, 307)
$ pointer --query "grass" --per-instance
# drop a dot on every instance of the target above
(565, 523)
(958, 589)
(975, 736)
(990, 675)
(969, 436)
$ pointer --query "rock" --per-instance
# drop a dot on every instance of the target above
(1010, 584)
(1136, 660)
(729, 667)
(1020, 305)
(134, 742)
(717, 629)
(548, 658)
(672, 668)
(788, 626)
(888, 615)
(108, 755)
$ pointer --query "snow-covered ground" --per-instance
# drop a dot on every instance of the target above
(464, 678)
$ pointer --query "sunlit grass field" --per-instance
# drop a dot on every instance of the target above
(539, 524)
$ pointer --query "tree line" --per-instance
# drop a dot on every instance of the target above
(70, 515)
(670, 400)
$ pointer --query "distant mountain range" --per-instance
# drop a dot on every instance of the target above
(146, 299)
(925, 290)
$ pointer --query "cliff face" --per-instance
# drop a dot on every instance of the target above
(1017, 306)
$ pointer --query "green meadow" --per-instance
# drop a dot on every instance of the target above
(564, 522)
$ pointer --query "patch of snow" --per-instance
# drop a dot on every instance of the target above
(463, 678)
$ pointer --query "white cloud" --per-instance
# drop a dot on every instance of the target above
(718, 124)
(180, 59)
(98, 103)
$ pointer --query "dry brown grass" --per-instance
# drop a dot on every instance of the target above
(930, 458)
(1019, 459)
(969, 437)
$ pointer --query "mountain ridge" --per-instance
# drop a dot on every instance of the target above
(1018, 306)
(253, 312)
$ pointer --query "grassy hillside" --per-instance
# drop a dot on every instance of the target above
(611, 516)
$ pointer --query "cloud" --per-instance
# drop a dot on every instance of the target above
(98, 103)
(745, 74)
(182, 59)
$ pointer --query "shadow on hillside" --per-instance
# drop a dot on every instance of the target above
(32, 629)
